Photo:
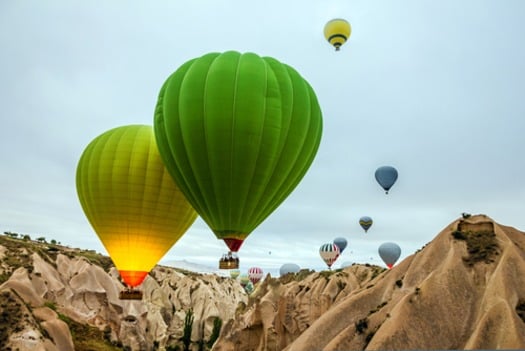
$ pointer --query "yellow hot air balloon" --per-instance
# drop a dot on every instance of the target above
(337, 32)
(131, 201)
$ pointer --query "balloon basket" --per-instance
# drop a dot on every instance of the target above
(228, 265)
(130, 294)
(229, 261)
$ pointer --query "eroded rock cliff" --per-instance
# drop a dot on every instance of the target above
(50, 294)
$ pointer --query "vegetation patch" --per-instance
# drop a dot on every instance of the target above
(481, 246)
(326, 274)
(361, 325)
(378, 307)
(376, 270)
(341, 285)
(520, 309)
(10, 317)
(97, 259)
(86, 337)
(303, 273)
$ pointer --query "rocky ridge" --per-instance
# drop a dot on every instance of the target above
(55, 298)
(463, 290)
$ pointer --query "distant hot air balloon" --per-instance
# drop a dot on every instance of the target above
(131, 201)
(255, 274)
(237, 132)
(234, 273)
(341, 244)
(366, 223)
(386, 176)
(244, 279)
(248, 287)
(337, 32)
(329, 253)
(289, 268)
(389, 253)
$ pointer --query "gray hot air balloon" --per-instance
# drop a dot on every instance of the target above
(341, 243)
(289, 268)
(365, 222)
(389, 253)
(386, 176)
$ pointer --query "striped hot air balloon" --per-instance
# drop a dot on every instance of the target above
(337, 32)
(255, 274)
(329, 253)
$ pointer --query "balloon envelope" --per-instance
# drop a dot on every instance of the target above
(341, 244)
(365, 222)
(389, 253)
(386, 176)
(337, 32)
(132, 203)
(237, 132)
(234, 273)
(329, 253)
(289, 268)
(255, 274)
(244, 279)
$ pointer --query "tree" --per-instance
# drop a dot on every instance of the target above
(217, 325)
(188, 326)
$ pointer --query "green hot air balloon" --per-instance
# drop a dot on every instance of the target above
(237, 132)
(134, 206)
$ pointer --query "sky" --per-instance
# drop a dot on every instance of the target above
(432, 88)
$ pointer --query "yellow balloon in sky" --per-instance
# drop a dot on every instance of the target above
(130, 199)
(337, 32)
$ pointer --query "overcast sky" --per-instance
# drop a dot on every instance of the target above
(433, 88)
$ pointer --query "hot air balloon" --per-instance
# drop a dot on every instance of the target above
(244, 279)
(366, 223)
(237, 132)
(248, 288)
(255, 274)
(389, 253)
(132, 203)
(234, 273)
(289, 268)
(386, 176)
(337, 32)
(329, 253)
(341, 244)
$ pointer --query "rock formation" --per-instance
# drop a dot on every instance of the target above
(48, 292)
(463, 290)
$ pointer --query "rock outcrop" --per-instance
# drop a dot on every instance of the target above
(463, 290)
(280, 310)
(48, 293)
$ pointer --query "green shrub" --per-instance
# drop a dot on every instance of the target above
(217, 325)
(361, 325)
